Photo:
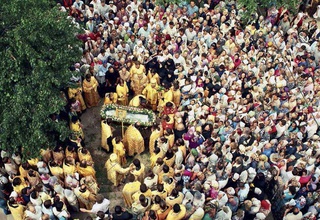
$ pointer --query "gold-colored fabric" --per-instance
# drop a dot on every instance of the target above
(86, 171)
(115, 172)
(68, 169)
(155, 76)
(154, 157)
(22, 185)
(90, 90)
(138, 83)
(163, 195)
(139, 174)
(169, 162)
(111, 98)
(77, 94)
(77, 129)
(164, 98)
(171, 201)
(106, 132)
(135, 196)
(177, 216)
(17, 211)
(122, 92)
(86, 198)
(87, 157)
(135, 71)
(128, 190)
(151, 94)
(153, 137)
(57, 172)
(118, 149)
(133, 141)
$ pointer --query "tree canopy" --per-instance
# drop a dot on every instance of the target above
(255, 6)
(37, 47)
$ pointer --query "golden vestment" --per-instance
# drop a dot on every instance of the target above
(87, 157)
(135, 101)
(17, 211)
(169, 162)
(77, 129)
(135, 71)
(22, 185)
(135, 196)
(113, 100)
(86, 171)
(133, 141)
(114, 171)
(77, 94)
(118, 149)
(57, 172)
(155, 76)
(171, 200)
(166, 97)
(177, 216)
(139, 174)
(138, 83)
(154, 157)
(106, 132)
(86, 198)
(91, 95)
(122, 92)
(152, 141)
(151, 95)
(68, 169)
(163, 194)
(128, 190)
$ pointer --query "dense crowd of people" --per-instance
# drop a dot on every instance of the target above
(238, 103)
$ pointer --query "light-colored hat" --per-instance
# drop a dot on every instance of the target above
(260, 216)
(231, 191)
(113, 157)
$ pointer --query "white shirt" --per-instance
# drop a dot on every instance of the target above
(104, 206)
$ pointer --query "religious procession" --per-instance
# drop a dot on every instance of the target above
(227, 113)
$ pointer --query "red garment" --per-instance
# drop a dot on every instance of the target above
(166, 125)
(304, 180)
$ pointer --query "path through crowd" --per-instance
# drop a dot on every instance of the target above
(91, 122)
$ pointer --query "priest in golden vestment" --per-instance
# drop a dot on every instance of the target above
(115, 172)
(106, 134)
(118, 149)
(76, 92)
(151, 93)
(153, 75)
(155, 134)
(138, 170)
(138, 83)
(137, 68)
(165, 96)
(129, 189)
(90, 89)
(133, 140)
(85, 170)
(110, 98)
(122, 92)
(85, 197)
(138, 101)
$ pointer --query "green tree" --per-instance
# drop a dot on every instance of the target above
(37, 47)
(261, 6)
